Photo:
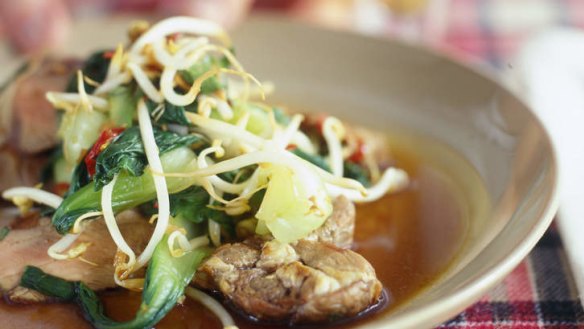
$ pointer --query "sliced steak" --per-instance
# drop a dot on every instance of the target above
(27, 244)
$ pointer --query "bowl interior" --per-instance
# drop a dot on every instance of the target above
(392, 86)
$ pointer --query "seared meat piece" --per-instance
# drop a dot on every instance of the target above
(305, 282)
(309, 281)
(29, 239)
(339, 227)
(28, 122)
(19, 169)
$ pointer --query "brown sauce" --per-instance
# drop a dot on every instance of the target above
(410, 238)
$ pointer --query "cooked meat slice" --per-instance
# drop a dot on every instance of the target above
(339, 228)
(27, 120)
(10, 174)
(28, 245)
(305, 282)
(18, 169)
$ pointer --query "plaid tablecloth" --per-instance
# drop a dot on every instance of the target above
(540, 292)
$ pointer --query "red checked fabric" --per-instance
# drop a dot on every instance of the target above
(540, 293)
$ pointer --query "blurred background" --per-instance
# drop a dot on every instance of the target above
(487, 32)
(483, 32)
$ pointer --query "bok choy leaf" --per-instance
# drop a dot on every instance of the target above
(130, 191)
(126, 152)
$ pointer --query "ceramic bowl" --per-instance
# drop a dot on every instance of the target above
(390, 85)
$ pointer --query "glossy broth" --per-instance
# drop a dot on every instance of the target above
(410, 238)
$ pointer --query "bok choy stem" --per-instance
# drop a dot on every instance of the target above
(130, 191)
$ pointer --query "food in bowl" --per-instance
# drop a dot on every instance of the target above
(163, 152)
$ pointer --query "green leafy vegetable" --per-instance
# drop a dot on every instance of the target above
(291, 209)
(79, 178)
(356, 172)
(258, 122)
(224, 61)
(170, 113)
(95, 68)
(48, 170)
(281, 116)
(256, 200)
(350, 169)
(189, 203)
(316, 160)
(241, 174)
(34, 278)
(79, 130)
(226, 222)
(193, 205)
(126, 152)
(122, 104)
(191, 74)
(166, 280)
(130, 191)
(4, 232)
(62, 171)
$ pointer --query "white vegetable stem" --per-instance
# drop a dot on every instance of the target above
(34, 194)
(153, 157)
(224, 129)
(178, 59)
(333, 131)
(392, 180)
(112, 225)
(167, 84)
(213, 306)
(280, 157)
(214, 179)
(65, 242)
(281, 139)
(180, 24)
(185, 245)
(145, 84)
(64, 100)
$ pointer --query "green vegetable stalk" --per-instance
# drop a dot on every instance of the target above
(129, 191)
(122, 102)
(126, 153)
(351, 169)
(95, 68)
(4, 232)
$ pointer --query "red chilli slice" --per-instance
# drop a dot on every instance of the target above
(102, 142)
